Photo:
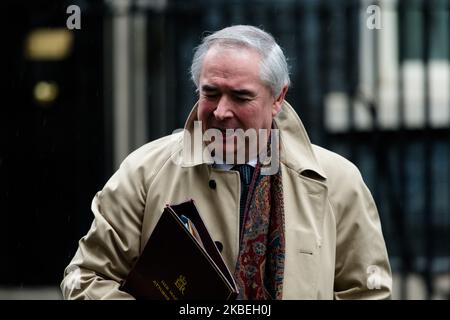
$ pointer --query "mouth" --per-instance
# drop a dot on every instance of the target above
(226, 138)
(223, 131)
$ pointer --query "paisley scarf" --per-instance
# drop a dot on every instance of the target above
(260, 265)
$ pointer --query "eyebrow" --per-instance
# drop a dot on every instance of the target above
(238, 92)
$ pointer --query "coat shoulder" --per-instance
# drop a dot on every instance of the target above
(151, 157)
(336, 167)
(346, 186)
(163, 147)
(344, 180)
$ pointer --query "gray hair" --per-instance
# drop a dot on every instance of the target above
(273, 70)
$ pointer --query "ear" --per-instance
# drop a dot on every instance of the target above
(279, 101)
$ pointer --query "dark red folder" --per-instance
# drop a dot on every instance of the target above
(174, 265)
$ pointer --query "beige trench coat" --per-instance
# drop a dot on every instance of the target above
(334, 241)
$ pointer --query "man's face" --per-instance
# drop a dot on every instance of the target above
(232, 95)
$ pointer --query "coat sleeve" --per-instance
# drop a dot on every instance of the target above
(106, 253)
(362, 265)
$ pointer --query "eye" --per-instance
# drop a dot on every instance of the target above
(211, 96)
(241, 99)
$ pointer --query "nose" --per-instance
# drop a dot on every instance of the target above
(223, 111)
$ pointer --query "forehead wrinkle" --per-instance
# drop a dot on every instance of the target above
(217, 61)
(235, 90)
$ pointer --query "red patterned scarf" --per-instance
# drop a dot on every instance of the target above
(260, 265)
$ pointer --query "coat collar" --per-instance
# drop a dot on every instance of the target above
(296, 149)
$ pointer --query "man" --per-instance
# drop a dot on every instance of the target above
(306, 228)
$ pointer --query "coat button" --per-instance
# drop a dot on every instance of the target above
(212, 184)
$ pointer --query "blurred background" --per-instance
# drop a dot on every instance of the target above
(84, 87)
